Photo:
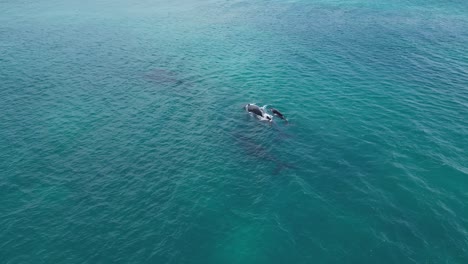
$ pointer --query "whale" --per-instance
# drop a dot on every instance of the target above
(277, 113)
(259, 112)
(253, 109)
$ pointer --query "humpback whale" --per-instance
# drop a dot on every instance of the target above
(258, 111)
(278, 113)
(254, 109)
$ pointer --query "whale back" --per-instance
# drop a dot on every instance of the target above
(254, 109)
(277, 113)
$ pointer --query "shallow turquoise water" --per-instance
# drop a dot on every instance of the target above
(122, 138)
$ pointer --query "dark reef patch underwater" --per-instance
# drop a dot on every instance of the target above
(123, 140)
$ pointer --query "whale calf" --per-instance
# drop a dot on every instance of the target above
(278, 113)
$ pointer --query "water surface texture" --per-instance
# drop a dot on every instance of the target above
(123, 138)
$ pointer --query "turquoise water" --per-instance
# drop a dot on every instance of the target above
(122, 138)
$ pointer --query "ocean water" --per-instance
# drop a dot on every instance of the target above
(123, 138)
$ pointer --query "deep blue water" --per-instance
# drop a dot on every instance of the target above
(123, 138)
